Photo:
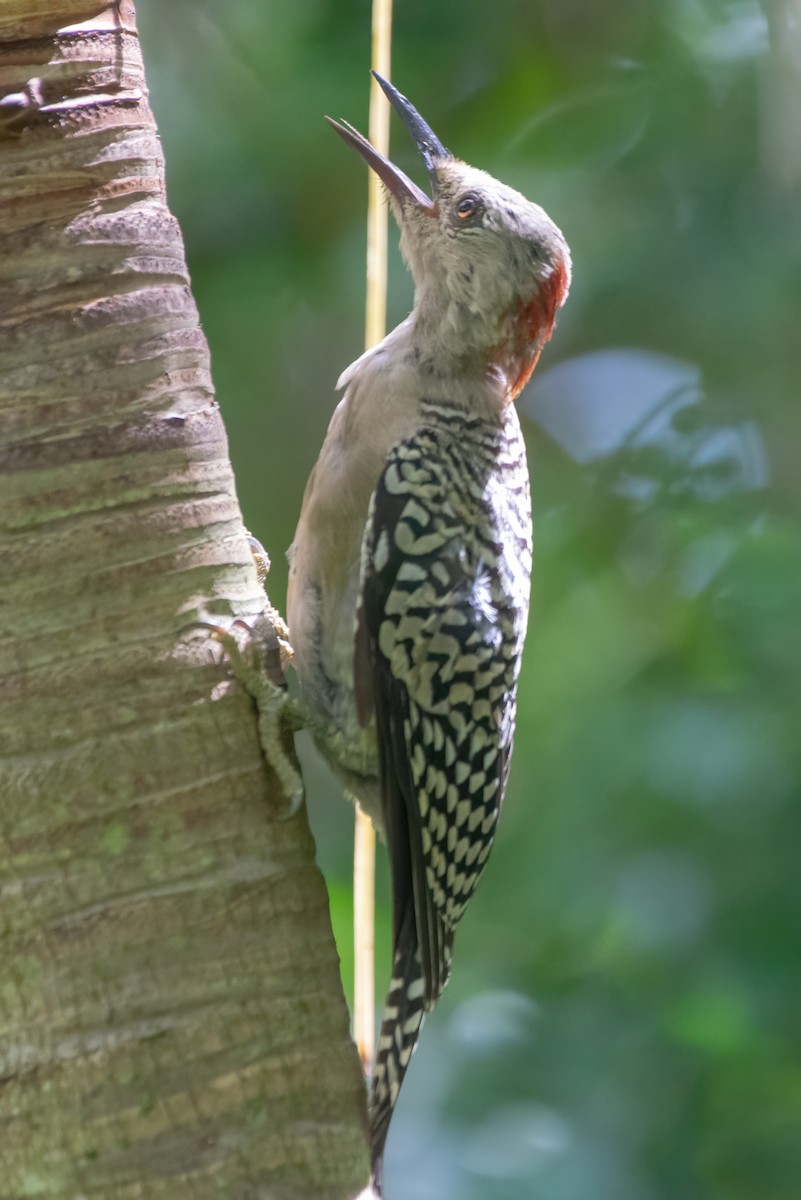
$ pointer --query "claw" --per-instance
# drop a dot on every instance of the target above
(256, 662)
(261, 558)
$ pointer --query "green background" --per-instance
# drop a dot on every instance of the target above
(624, 1019)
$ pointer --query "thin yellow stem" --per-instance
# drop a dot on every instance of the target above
(375, 328)
(376, 311)
(364, 939)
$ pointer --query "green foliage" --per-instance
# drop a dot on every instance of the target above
(624, 1021)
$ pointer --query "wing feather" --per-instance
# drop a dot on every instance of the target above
(437, 650)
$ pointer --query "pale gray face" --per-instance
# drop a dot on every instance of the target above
(470, 203)
(485, 241)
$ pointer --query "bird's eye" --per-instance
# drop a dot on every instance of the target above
(467, 207)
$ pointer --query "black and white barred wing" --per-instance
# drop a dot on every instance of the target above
(440, 628)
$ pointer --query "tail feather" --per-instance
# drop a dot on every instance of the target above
(400, 1028)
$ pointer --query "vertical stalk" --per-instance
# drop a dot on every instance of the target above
(375, 328)
(781, 101)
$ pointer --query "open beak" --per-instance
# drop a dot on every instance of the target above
(428, 144)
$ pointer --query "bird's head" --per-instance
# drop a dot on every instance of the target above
(491, 269)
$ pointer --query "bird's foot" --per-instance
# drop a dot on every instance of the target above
(257, 653)
(261, 561)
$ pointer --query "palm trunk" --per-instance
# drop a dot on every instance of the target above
(171, 1018)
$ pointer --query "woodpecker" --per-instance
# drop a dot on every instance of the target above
(410, 567)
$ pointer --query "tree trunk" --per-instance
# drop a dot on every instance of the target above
(171, 1018)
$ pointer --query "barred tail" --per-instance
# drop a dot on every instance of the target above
(400, 1027)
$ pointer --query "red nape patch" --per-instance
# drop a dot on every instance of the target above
(532, 326)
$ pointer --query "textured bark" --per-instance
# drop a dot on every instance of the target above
(171, 1019)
